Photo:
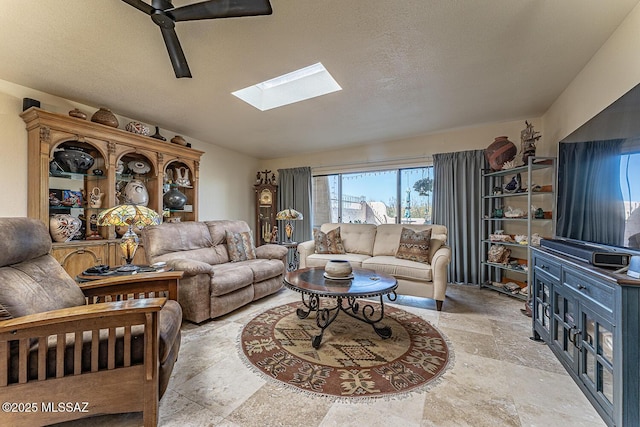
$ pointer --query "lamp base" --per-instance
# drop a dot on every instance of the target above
(127, 268)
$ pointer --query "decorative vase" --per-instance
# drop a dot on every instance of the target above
(95, 198)
(78, 114)
(499, 152)
(73, 159)
(135, 193)
(182, 177)
(157, 135)
(139, 167)
(139, 128)
(104, 116)
(63, 227)
(174, 198)
(338, 268)
(179, 140)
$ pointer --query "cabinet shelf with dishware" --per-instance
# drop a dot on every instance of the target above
(179, 192)
(78, 169)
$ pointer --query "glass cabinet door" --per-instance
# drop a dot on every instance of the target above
(542, 305)
(266, 229)
(266, 195)
(596, 369)
(77, 189)
(565, 329)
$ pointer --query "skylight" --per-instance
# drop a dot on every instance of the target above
(305, 83)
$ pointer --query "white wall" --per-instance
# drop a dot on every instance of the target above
(226, 177)
(417, 151)
(612, 72)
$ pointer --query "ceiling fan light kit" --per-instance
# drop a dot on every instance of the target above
(164, 15)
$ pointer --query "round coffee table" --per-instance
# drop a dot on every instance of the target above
(313, 285)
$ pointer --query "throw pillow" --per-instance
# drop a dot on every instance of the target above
(414, 245)
(328, 243)
(240, 246)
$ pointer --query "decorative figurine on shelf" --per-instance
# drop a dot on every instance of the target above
(514, 213)
(498, 254)
(266, 232)
(528, 138)
(157, 135)
(95, 198)
(274, 234)
(92, 230)
(266, 179)
(514, 186)
(182, 177)
(54, 200)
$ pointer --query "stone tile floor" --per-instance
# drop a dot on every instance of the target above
(499, 378)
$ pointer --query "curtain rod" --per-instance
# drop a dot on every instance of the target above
(416, 161)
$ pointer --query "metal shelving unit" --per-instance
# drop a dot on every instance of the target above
(491, 199)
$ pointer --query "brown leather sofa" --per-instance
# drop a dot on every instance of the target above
(213, 285)
(62, 343)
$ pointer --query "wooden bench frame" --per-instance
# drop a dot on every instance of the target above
(114, 303)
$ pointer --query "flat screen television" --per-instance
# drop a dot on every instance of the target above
(598, 198)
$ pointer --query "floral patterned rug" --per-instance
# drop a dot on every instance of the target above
(352, 360)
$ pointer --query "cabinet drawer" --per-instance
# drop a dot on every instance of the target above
(547, 266)
(599, 293)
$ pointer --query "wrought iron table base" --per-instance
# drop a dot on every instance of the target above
(350, 306)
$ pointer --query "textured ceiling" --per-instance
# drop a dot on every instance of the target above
(406, 67)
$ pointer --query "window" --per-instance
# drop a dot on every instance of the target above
(377, 197)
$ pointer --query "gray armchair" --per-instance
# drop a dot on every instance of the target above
(109, 345)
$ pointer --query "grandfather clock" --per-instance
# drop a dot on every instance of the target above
(266, 198)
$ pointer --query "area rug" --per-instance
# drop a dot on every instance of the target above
(352, 362)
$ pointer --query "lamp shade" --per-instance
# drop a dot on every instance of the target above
(289, 215)
(132, 215)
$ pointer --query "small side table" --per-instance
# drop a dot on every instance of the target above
(292, 256)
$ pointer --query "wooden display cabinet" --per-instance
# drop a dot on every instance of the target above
(122, 157)
(77, 256)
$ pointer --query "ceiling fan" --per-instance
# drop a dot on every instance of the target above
(164, 15)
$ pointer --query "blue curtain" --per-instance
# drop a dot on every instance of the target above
(590, 202)
(456, 205)
(294, 191)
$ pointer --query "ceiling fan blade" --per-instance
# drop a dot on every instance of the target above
(140, 5)
(220, 9)
(176, 54)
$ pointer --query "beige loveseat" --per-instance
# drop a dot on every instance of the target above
(374, 247)
(213, 285)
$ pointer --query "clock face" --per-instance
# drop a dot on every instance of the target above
(265, 197)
